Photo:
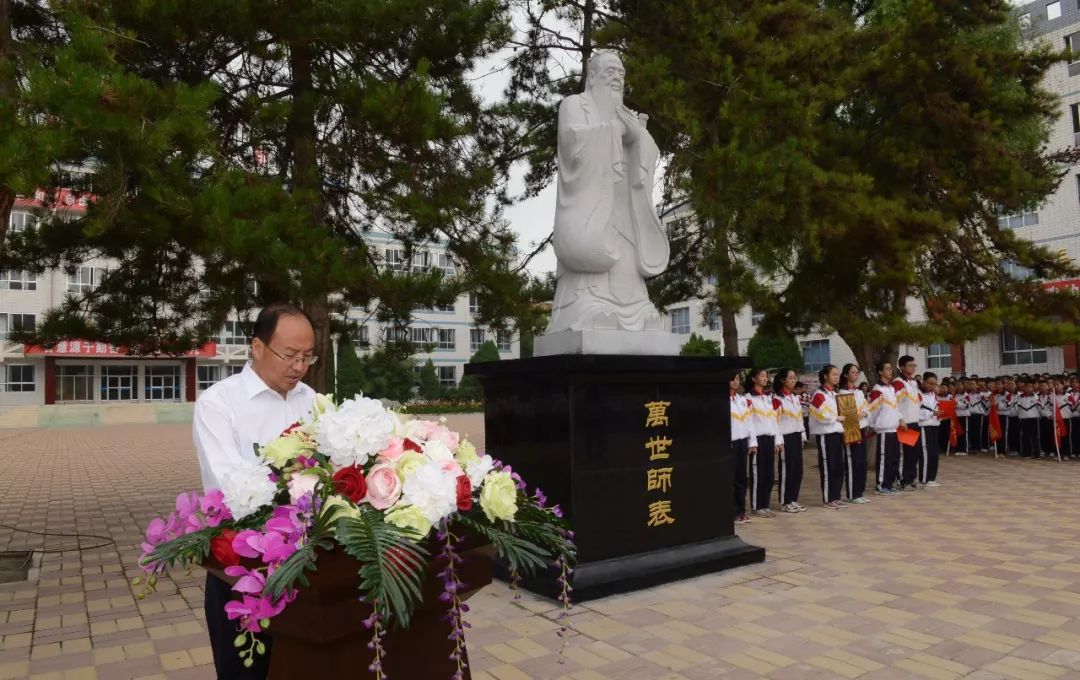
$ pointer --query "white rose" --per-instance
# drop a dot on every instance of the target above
(300, 484)
(478, 470)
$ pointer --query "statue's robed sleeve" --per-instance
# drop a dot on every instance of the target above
(590, 157)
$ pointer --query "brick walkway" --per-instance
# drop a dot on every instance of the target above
(977, 579)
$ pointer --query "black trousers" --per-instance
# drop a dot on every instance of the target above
(931, 452)
(1013, 433)
(1074, 441)
(910, 456)
(966, 442)
(739, 451)
(888, 459)
(855, 474)
(761, 472)
(790, 467)
(1029, 437)
(227, 660)
(944, 429)
(831, 465)
(1001, 446)
(977, 440)
(1046, 436)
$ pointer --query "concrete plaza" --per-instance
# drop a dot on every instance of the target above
(977, 579)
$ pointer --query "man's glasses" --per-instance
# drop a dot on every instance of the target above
(305, 359)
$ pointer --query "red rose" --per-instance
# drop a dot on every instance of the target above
(290, 429)
(464, 493)
(410, 445)
(350, 483)
(222, 550)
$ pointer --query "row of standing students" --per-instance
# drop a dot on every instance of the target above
(768, 430)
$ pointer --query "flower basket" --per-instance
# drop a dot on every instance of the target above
(322, 633)
(360, 522)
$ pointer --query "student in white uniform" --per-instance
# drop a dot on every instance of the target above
(766, 423)
(743, 445)
(855, 454)
(827, 428)
(790, 458)
(928, 431)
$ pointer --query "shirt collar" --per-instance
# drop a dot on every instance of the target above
(254, 385)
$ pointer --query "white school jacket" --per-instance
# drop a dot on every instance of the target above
(928, 410)
(1027, 406)
(962, 405)
(742, 423)
(764, 419)
(823, 413)
(789, 409)
(884, 412)
(908, 399)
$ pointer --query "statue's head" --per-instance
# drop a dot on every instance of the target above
(605, 74)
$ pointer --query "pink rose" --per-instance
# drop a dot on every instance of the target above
(420, 429)
(443, 434)
(394, 451)
(451, 467)
(383, 487)
(300, 485)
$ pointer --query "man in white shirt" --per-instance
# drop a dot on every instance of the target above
(232, 417)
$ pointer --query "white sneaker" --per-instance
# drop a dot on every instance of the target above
(931, 484)
(960, 453)
(860, 500)
(789, 507)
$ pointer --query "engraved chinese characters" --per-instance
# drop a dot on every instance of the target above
(658, 474)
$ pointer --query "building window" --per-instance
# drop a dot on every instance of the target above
(395, 259)
(424, 335)
(447, 339)
(21, 221)
(421, 260)
(233, 369)
(476, 338)
(939, 355)
(361, 336)
(503, 340)
(444, 262)
(1072, 44)
(14, 323)
(396, 333)
(19, 378)
(205, 376)
(1017, 271)
(815, 354)
(162, 383)
(447, 375)
(680, 320)
(82, 281)
(1016, 350)
(74, 383)
(756, 317)
(1025, 219)
(13, 280)
(713, 321)
(118, 382)
(445, 308)
(474, 304)
(234, 333)
(1053, 10)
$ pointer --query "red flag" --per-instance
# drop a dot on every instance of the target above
(995, 421)
(947, 411)
(1059, 423)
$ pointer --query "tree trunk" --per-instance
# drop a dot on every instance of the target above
(8, 93)
(587, 18)
(302, 138)
(729, 330)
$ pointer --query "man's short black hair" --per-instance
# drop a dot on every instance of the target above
(267, 321)
(905, 360)
(928, 375)
(879, 365)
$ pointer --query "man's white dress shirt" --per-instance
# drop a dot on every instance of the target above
(235, 414)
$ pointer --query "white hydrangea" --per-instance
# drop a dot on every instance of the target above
(438, 451)
(357, 430)
(246, 488)
(432, 490)
(478, 469)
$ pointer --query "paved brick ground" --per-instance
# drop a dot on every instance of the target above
(978, 579)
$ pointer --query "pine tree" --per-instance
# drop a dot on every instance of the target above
(256, 142)
(734, 90)
(775, 351)
(698, 346)
(428, 382)
(469, 387)
(946, 129)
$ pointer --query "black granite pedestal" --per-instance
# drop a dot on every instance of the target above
(636, 450)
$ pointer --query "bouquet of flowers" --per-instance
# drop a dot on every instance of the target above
(371, 482)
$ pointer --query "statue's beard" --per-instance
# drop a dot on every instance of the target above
(609, 98)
